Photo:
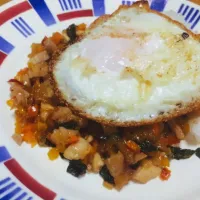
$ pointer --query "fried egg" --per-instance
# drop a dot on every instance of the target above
(133, 67)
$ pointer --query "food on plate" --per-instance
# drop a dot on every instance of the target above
(78, 100)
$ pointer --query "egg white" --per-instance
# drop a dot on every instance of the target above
(132, 67)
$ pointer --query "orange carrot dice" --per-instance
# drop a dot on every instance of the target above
(132, 146)
(57, 37)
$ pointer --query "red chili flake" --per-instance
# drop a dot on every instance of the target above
(165, 174)
(32, 111)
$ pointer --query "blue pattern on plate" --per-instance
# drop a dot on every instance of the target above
(128, 3)
(70, 4)
(11, 194)
(43, 11)
(3, 181)
(192, 15)
(185, 10)
(30, 198)
(4, 155)
(27, 26)
(158, 5)
(79, 3)
(9, 189)
(63, 4)
(22, 27)
(98, 7)
(21, 196)
(189, 14)
(6, 47)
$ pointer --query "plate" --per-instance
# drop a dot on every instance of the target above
(25, 172)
